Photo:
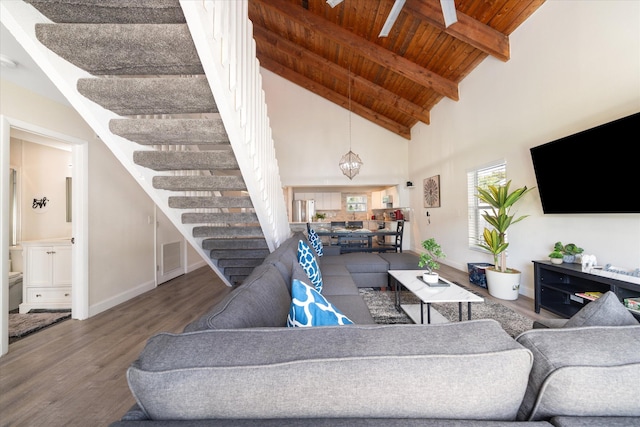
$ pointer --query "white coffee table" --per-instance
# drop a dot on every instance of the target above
(410, 279)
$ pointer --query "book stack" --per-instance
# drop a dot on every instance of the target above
(589, 295)
(632, 304)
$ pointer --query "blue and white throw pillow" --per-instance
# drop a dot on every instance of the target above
(309, 308)
(309, 264)
(315, 241)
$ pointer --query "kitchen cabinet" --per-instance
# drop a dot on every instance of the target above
(47, 275)
(325, 201)
(376, 200)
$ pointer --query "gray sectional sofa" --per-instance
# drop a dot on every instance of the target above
(239, 365)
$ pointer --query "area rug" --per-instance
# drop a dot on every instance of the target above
(382, 307)
(21, 325)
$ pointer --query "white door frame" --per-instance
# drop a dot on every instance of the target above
(79, 226)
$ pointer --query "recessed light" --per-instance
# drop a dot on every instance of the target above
(6, 62)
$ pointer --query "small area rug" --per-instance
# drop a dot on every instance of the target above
(382, 307)
(21, 325)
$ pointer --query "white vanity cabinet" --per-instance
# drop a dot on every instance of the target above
(47, 275)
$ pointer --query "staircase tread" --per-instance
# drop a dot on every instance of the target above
(199, 183)
(123, 11)
(124, 49)
(190, 202)
(171, 131)
(134, 96)
(186, 160)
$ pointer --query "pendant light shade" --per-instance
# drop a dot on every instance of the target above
(350, 163)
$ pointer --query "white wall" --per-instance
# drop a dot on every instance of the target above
(43, 173)
(120, 239)
(311, 134)
(574, 65)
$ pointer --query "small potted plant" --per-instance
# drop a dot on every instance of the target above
(320, 216)
(556, 257)
(569, 251)
(429, 258)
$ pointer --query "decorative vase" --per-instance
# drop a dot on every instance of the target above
(569, 259)
(430, 277)
(556, 260)
(503, 285)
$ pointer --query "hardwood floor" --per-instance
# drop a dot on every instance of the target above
(522, 305)
(73, 373)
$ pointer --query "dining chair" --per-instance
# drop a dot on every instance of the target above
(396, 245)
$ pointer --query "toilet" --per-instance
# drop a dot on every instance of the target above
(15, 277)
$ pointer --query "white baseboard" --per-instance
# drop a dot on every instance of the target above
(196, 265)
(120, 298)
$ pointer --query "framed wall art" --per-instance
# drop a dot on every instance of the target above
(431, 188)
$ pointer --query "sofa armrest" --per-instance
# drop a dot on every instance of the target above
(583, 371)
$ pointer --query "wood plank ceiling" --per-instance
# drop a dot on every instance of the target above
(395, 80)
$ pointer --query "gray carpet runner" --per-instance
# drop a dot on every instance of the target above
(145, 71)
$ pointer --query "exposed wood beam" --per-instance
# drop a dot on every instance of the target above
(369, 50)
(335, 97)
(360, 84)
(467, 29)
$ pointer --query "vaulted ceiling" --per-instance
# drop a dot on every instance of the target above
(393, 81)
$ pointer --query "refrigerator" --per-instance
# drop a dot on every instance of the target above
(304, 210)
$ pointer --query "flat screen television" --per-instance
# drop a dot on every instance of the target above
(593, 171)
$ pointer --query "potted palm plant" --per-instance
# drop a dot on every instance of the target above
(502, 282)
(429, 258)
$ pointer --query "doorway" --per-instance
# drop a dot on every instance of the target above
(79, 157)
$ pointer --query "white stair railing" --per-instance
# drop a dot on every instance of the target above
(223, 35)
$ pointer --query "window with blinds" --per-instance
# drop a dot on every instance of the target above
(495, 174)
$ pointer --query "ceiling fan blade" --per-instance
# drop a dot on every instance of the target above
(391, 19)
(449, 12)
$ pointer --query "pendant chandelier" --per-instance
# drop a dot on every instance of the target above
(350, 163)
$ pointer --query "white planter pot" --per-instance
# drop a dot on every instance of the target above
(556, 260)
(503, 285)
(430, 277)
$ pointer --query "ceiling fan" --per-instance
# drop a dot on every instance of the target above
(448, 11)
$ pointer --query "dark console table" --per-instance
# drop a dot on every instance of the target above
(556, 287)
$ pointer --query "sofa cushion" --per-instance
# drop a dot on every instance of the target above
(339, 285)
(359, 262)
(605, 311)
(262, 300)
(315, 241)
(309, 308)
(308, 262)
(285, 256)
(354, 307)
(584, 371)
(450, 371)
(401, 261)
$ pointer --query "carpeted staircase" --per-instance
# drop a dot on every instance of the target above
(145, 68)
